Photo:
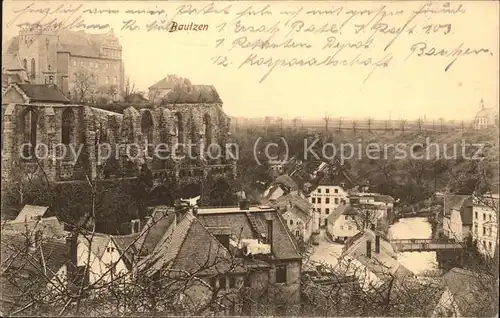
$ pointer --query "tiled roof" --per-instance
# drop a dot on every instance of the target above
(43, 93)
(471, 291)
(381, 263)
(31, 212)
(383, 198)
(99, 242)
(345, 209)
(152, 233)
(26, 280)
(171, 81)
(283, 244)
(127, 246)
(11, 62)
(286, 181)
(300, 206)
(190, 248)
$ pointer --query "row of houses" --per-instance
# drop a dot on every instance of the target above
(227, 260)
(328, 198)
(472, 217)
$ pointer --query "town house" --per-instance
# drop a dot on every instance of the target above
(297, 213)
(342, 224)
(485, 223)
(276, 284)
(457, 219)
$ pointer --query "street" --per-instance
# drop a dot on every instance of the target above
(326, 251)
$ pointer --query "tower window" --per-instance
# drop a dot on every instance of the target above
(33, 69)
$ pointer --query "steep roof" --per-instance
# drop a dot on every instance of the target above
(383, 198)
(190, 248)
(152, 233)
(471, 292)
(31, 212)
(126, 245)
(296, 204)
(381, 263)
(486, 112)
(41, 93)
(23, 277)
(170, 82)
(286, 181)
(11, 62)
(461, 203)
(283, 245)
(345, 209)
(99, 242)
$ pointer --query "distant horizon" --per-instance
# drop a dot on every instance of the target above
(409, 89)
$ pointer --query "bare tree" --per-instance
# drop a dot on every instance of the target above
(441, 124)
(326, 119)
(402, 124)
(129, 91)
(84, 84)
(369, 122)
(354, 125)
(419, 124)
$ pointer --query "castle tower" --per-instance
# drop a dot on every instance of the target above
(38, 50)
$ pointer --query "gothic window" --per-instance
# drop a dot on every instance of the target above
(178, 128)
(207, 129)
(33, 69)
(147, 127)
(107, 80)
(25, 65)
(30, 125)
(68, 126)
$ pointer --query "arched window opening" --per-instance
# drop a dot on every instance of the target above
(33, 69)
(68, 127)
(30, 126)
(207, 129)
(25, 65)
(147, 127)
(178, 128)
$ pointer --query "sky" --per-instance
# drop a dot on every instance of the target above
(407, 87)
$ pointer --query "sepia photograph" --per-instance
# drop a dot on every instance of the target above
(250, 158)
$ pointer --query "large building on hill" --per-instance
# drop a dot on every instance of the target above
(486, 117)
(69, 56)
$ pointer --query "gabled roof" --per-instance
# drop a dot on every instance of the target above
(381, 263)
(170, 81)
(34, 93)
(461, 203)
(345, 209)
(99, 242)
(126, 245)
(296, 204)
(286, 181)
(152, 233)
(11, 62)
(283, 245)
(23, 281)
(31, 212)
(472, 292)
(190, 248)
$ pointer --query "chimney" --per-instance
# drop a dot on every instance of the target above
(194, 209)
(270, 233)
(369, 249)
(64, 85)
(377, 243)
(244, 205)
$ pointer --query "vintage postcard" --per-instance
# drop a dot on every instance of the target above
(250, 158)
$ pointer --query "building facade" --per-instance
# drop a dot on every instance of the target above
(326, 198)
(457, 220)
(72, 57)
(485, 224)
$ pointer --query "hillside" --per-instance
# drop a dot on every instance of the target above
(447, 161)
